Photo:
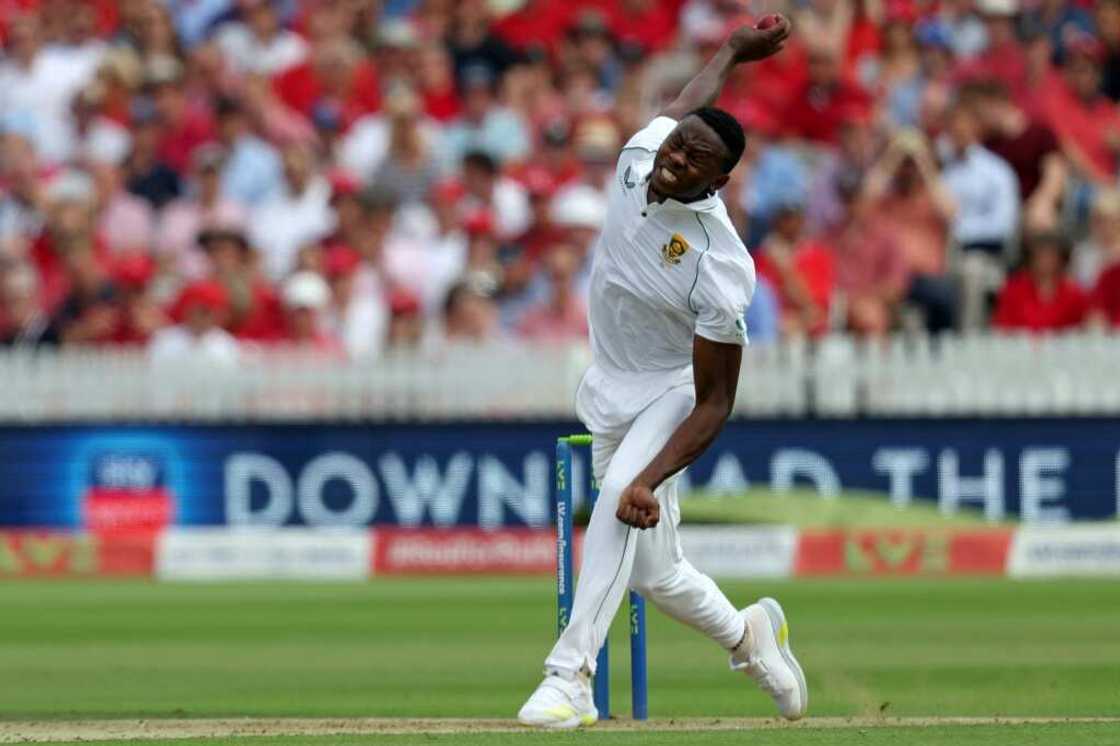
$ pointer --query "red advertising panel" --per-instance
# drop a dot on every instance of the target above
(903, 552)
(57, 553)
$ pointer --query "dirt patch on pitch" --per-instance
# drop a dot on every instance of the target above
(106, 730)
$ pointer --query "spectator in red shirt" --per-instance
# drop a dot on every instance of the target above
(252, 305)
(1003, 57)
(337, 75)
(912, 204)
(817, 111)
(800, 270)
(536, 22)
(1042, 297)
(90, 312)
(139, 315)
(184, 125)
(436, 80)
(1087, 121)
(1106, 298)
(871, 269)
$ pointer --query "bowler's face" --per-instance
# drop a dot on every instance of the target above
(689, 162)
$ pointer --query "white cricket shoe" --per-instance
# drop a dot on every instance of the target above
(770, 661)
(560, 702)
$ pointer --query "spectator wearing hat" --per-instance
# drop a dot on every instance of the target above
(1100, 250)
(485, 125)
(1042, 297)
(183, 219)
(406, 321)
(356, 316)
(253, 310)
(22, 320)
(69, 228)
(253, 170)
(542, 232)
(306, 297)
(257, 44)
(198, 336)
(1087, 122)
(298, 215)
(139, 315)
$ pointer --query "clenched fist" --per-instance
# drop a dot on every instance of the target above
(638, 507)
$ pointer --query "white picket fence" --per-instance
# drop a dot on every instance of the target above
(837, 377)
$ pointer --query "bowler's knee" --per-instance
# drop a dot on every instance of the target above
(653, 588)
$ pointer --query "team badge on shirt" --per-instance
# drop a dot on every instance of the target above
(672, 252)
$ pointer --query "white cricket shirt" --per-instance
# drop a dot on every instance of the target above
(662, 273)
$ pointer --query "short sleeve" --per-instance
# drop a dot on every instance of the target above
(653, 135)
(720, 298)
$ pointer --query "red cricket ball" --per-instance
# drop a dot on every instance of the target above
(768, 21)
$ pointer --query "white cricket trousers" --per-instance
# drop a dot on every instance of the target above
(617, 557)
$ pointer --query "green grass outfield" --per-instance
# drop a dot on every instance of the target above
(472, 648)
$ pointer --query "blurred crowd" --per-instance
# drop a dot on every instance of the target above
(355, 176)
